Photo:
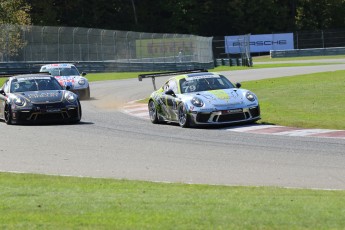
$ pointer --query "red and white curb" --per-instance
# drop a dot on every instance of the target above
(140, 110)
(137, 110)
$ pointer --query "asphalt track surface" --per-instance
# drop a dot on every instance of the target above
(111, 144)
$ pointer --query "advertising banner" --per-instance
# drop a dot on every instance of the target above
(260, 43)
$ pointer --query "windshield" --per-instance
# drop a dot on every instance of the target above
(34, 84)
(63, 71)
(197, 84)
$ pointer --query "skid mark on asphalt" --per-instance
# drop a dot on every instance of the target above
(141, 111)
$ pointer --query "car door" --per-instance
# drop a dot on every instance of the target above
(170, 99)
(3, 98)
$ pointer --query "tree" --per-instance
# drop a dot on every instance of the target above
(13, 14)
(321, 14)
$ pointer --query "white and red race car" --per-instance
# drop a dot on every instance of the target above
(69, 77)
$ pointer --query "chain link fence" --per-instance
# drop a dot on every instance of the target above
(319, 39)
(118, 50)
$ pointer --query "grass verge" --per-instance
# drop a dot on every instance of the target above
(306, 101)
(51, 202)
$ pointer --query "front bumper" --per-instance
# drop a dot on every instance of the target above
(41, 113)
(243, 115)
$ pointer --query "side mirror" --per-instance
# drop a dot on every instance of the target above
(68, 87)
(83, 74)
(238, 85)
(170, 92)
(2, 92)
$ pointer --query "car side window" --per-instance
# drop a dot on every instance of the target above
(173, 85)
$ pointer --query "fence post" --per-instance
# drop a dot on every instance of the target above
(88, 43)
(59, 43)
(114, 38)
(74, 30)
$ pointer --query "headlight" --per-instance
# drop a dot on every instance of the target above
(19, 101)
(70, 97)
(250, 96)
(197, 102)
(81, 82)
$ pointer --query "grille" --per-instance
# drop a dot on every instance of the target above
(49, 105)
(231, 117)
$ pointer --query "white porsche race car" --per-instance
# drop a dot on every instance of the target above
(69, 77)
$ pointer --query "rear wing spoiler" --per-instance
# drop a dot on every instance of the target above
(164, 74)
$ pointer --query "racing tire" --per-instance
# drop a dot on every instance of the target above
(183, 117)
(8, 115)
(87, 93)
(153, 112)
(77, 119)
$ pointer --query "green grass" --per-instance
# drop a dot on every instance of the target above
(308, 101)
(48, 202)
(268, 58)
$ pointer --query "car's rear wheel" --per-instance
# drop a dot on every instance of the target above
(87, 94)
(183, 117)
(153, 112)
(8, 114)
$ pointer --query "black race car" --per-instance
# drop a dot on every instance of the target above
(33, 98)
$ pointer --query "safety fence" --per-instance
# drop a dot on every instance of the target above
(104, 50)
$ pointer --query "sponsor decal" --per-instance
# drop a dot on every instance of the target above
(232, 111)
(52, 66)
(33, 78)
(42, 95)
(259, 43)
(201, 77)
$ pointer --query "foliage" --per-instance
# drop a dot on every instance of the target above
(13, 13)
(320, 14)
(202, 17)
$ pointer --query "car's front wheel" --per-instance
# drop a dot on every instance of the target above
(8, 115)
(85, 95)
(153, 112)
(183, 117)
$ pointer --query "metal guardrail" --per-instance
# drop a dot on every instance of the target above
(308, 52)
(8, 68)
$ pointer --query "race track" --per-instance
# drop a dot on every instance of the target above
(109, 143)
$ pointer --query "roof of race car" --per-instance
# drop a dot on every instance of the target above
(59, 65)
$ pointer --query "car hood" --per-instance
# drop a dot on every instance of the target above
(46, 96)
(223, 96)
(71, 81)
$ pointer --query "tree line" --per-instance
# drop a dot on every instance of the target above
(199, 17)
